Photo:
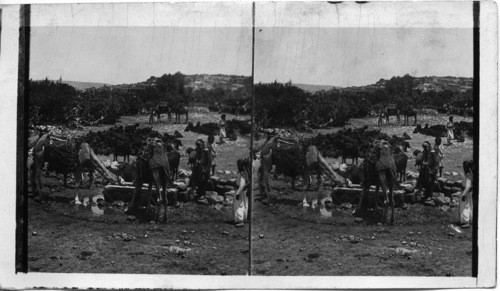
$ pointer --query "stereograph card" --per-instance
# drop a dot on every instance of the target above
(249, 145)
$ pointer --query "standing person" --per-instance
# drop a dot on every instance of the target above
(201, 169)
(439, 149)
(386, 168)
(428, 170)
(222, 128)
(381, 118)
(240, 201)
(266, 152)
(449, 126)
(465, 205)
(212, 149)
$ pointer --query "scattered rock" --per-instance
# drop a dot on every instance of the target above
(312, 257)
(178, 250)
(225, 233)
(118, 203)
(445, 208)
(227, 172)
(442, 180)
(261, 236)
(358, 219)
(131, 217)
(442, 200)
(213, 198)
(405, 252)
(429, 203)
(411, 175)
(86, 253)
(447, 173)
(203, 201)
(220, 172)
(34, 233)
(455, 174)
(346, 205)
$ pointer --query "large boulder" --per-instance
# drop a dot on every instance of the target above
(442, 200)
(214, 198)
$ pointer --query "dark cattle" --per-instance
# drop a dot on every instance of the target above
(131, 128)
(418, 158)
(353, 173)
(174, 159)
(127, 171)
(124, 149)
(401, 160)
(399, 142)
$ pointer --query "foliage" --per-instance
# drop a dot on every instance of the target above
(50, 101)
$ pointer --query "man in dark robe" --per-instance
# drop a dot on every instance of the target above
(201, 169)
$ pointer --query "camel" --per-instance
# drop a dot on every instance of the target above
(370, 177)
(179, 112)
(407, 113)
(152, 168)
(391, 111)
(309, 162)
(65, 154)
(158, 110)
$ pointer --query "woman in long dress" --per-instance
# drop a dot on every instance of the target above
(212, 149)
(449, 126)
(465, 205)
(438, 148)
(222, 128)
(240, 201)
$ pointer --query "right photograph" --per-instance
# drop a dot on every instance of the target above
(364, 119)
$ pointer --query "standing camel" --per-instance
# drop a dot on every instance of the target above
(153, 168)
(407, 113)
(391, 111)
(372, 175)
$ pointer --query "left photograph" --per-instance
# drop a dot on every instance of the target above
(138, 138)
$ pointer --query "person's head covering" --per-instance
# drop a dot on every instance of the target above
(426, 145)
(200, 143)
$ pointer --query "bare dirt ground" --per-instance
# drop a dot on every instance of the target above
(288, 239)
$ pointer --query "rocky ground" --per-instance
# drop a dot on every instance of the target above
(323, 239)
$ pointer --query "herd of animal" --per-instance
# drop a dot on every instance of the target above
(165, 107)
(75, 154)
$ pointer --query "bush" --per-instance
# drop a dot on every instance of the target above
(50, 102)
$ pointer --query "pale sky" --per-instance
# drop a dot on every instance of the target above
(360, 56)
(125, 43)
(314, 43)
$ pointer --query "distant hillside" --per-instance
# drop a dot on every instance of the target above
(314, 88)
(424, 84)
(198, 81)
(84, 85)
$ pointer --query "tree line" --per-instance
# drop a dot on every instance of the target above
(55, 102)
(277, 104)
